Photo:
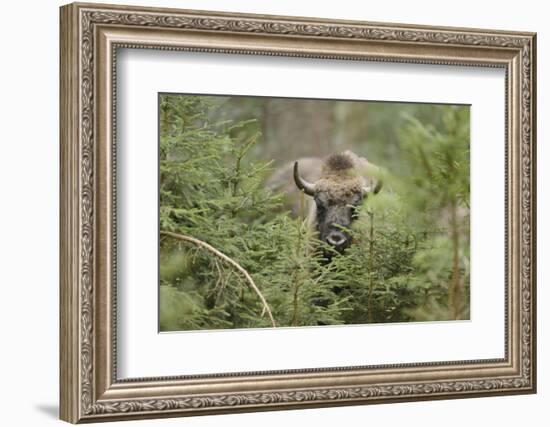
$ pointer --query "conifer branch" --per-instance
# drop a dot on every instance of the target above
(230, 261)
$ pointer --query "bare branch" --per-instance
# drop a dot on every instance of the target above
(230, 261)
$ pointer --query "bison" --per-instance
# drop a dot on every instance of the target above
(337, 186)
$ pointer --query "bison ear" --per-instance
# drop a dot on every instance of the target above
(367, 189)
(302, 184)
(378, 186)
(374, 176)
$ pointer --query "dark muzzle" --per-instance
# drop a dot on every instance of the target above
(338, 240)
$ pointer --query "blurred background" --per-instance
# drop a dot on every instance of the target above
(292, 128)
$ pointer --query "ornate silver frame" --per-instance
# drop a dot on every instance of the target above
(90, 36)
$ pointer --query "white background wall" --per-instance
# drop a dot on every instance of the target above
(29, 170)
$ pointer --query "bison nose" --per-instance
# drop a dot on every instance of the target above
(336, 239)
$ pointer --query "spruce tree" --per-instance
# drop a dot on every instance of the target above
(231, 255)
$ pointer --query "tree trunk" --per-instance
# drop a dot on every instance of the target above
(295, 128)
(371, 276)
(455, 291)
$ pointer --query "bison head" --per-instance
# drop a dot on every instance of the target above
(338, 193)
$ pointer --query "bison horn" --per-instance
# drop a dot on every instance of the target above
(301, 183)
(369, 189)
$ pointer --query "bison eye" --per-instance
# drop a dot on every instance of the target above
(356, 200)
(319, 204)
(321, 207)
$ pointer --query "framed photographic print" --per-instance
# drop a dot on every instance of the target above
(265, 212)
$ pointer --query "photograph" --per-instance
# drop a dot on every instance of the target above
(290, 212)
(262, 211)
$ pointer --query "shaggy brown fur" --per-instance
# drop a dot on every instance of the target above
(340, 188)
(339, 162)
(340, 176)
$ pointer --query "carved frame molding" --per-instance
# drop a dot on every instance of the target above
(90, 36)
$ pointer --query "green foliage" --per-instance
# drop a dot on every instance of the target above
(375, 271)
(210, 192)
(438, 188)
(403, 263)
